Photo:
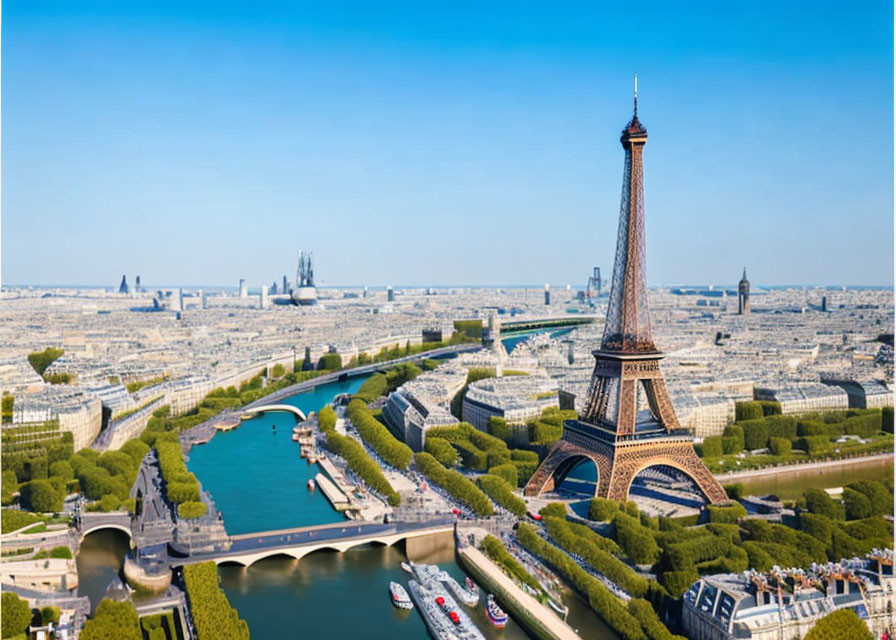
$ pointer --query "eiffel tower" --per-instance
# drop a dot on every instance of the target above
(628, 423)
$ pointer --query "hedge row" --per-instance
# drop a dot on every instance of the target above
(548, 428)
(212, 614)
(502, 493)
(181, 486)
(326, 418)
(594, 551)
(442, 451)
(495, 549)
(604, 603)
(454, 483)
(362, 464)
(374, 433)
(480, 451)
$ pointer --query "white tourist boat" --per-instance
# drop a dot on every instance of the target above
(400, 597)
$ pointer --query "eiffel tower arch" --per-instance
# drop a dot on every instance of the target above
(628, 423)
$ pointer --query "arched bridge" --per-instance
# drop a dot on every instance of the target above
(250, 548)
(299, 414)
(91, 522)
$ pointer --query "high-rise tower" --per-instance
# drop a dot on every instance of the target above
(743, 295)
(628, 423)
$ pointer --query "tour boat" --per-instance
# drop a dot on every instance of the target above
(495, 614)
(312, 458)
(295, 437)
(471, 586)
(400, 597)
(406, 567)
(312, 485)
(560, 609)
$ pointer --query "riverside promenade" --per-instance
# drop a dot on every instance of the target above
(534, 615)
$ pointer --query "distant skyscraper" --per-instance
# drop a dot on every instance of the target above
(123, 287)
(244, 290)
(743, 295)
(285, 285)
(179, 302)
(137, 285)
(274, 288)
(547, 294)
(824, 303)
(202, 303)
(390, 294)
(263, 297)
(365, 292)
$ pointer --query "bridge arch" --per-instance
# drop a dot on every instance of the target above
(93, 528)
(560, 462)
(667, 462)
(572, 462)
(298, 413)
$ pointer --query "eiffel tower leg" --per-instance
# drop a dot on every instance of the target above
(629, 461)
(562, 457)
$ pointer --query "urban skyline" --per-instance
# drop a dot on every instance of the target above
(479, 132)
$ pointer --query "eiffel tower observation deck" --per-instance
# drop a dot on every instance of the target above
(628, 423)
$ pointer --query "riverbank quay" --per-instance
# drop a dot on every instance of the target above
(799, 467)
(534, 616)
(203, 432)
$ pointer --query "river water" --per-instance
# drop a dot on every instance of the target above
(790, 484)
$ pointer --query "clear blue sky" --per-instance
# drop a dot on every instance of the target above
(198, 143)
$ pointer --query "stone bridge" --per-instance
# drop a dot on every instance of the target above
(296, 543)
(91, 522)
(299, 414)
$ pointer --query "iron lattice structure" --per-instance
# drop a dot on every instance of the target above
(628, 423)
(628, 316)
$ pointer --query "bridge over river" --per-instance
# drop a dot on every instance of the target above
(340, 536)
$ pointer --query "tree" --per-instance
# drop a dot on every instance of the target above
(747, 411)
(442, 451)
(41, 360)
(330, 362)
(497, 427)
(880, 497)
(842, 624)
(508, 471)
(212, 614)
(41, 496)
(50, 614)
(9, 485)
(711, 447)
(112, 619)
(755, 434)
(780, 446)
(857, 505)
(602, 510)
(16, 615)
(887, 419)
(62, 469)
(278, 371)
(733, 439)
(326, 418)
